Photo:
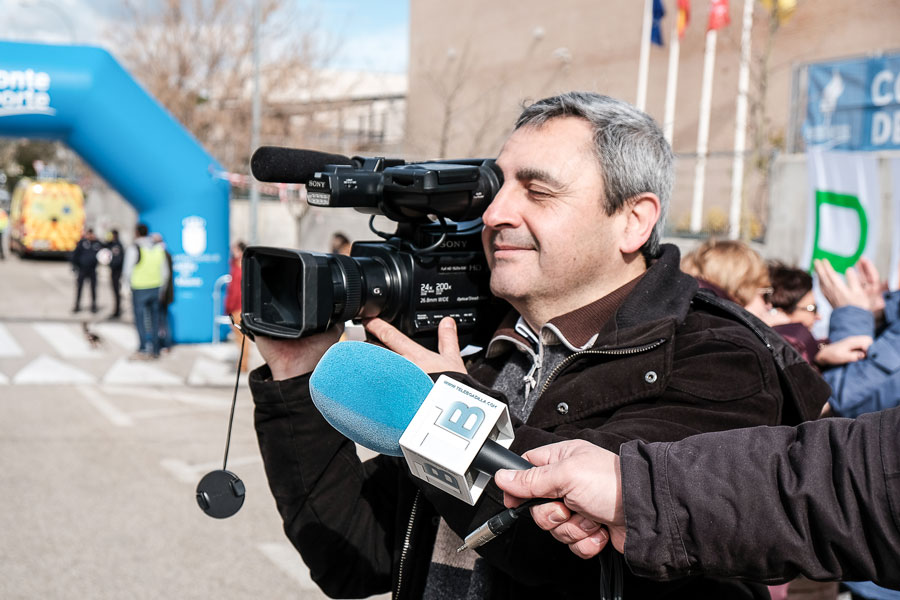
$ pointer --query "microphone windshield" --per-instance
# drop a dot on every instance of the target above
(368, 393)
(289, 165)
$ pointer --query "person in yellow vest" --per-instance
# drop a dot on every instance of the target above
(147, 272)
(4, 224)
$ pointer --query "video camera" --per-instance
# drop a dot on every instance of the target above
(431, 267)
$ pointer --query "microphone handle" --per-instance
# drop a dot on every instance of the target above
(493, 457)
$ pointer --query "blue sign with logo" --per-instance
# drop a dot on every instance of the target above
(854, 104)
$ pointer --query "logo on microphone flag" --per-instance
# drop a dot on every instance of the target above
(447, 432)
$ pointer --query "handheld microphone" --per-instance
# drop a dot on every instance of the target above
(288, 165)
(451, 435)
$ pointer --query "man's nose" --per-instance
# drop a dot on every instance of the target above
(502, 211)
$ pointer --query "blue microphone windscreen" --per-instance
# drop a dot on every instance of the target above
(368, 393)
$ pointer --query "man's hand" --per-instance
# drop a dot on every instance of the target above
(447, 358)
(838, 292)
(587, 479)
(848, 350)
(291, 358)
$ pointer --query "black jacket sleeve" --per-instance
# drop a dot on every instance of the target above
(337, 510)
(768, 503)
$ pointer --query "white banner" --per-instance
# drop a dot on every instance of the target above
(843, 215)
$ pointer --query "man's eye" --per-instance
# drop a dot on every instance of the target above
(539, 193)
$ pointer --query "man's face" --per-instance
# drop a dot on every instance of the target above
(548, 241)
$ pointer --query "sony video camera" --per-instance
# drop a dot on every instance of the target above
(432, 266)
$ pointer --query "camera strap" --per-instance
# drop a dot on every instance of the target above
(220, 494)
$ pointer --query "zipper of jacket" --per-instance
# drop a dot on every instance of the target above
(611, 352)
(403, 553)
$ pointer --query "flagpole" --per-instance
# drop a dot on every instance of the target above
(644, 64)
(709, 63)
(740, 125)
(672, 83)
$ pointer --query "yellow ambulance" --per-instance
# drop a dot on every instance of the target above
(46, 217)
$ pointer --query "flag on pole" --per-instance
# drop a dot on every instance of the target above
(684, 15)
(718, 15)
(658, 13)
(783, 9)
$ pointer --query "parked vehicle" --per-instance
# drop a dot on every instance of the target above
(46, 217)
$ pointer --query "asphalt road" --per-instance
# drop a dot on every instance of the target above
(99, 462)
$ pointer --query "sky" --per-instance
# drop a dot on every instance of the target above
(372, 36)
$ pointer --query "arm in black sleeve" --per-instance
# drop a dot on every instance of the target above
(337, 511)
(768, 503)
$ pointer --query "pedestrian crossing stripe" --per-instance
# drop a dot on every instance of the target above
(8, 345)
(208, 372)
(123, 335)
(45, 370)
(125, 371)
(66, 340)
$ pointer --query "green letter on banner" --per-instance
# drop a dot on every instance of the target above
(839, 262)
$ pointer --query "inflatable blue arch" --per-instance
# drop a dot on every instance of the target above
(81, 96)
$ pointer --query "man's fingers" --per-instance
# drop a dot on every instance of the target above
(573, 530)
(391, 337)
(538, 482)
(590, 546)
(552, 515)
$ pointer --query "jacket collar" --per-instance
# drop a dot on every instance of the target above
(664, 292)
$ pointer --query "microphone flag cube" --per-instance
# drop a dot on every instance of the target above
(448, 431)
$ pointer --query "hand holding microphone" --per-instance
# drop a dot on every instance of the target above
(587, 479)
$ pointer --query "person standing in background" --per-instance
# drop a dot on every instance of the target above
(84, 262)
(4, 224)
(147, 272)
(233, 298)
(116, 262)
(340, 244)
(166, 297)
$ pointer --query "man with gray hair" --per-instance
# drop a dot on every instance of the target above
(607, 341)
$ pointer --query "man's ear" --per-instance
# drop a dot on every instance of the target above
(641, 214)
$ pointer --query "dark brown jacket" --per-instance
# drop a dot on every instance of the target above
(665, 367)
(769, 503)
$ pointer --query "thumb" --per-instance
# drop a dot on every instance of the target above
(448, 342)
(537, 482)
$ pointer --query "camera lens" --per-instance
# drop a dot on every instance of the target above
(363, 287)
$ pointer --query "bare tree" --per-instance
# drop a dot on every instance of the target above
(196, 58)
(767, 140)
(470, 103)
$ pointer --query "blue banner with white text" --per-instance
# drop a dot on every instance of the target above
(854, 104)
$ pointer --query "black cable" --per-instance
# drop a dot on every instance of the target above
(237, 381)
